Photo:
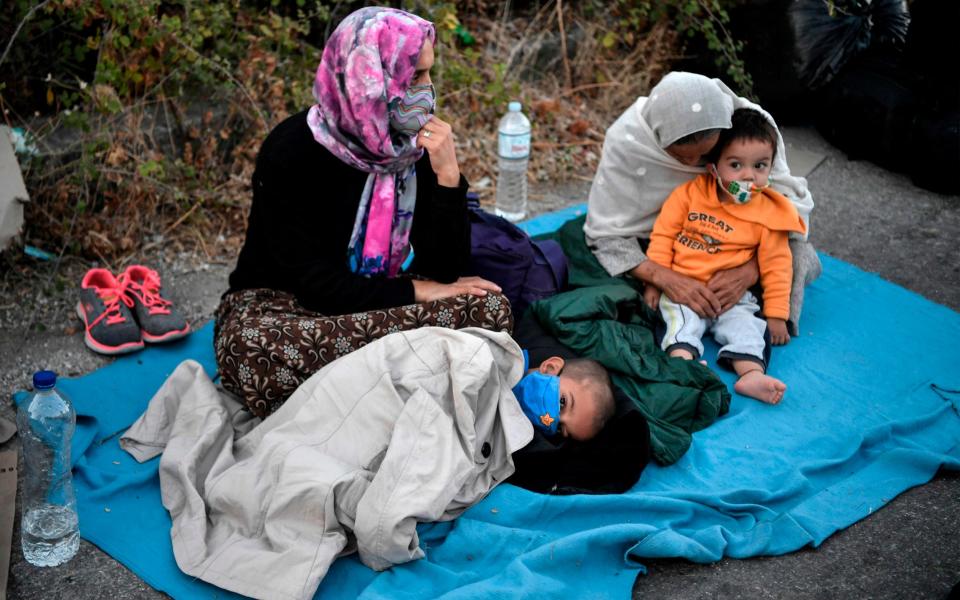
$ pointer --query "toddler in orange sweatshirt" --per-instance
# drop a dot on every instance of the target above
(718, 221)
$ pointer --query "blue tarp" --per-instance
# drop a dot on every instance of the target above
(867, 415)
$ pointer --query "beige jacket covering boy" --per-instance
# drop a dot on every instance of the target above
(417, 426)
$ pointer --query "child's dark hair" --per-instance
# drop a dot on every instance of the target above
(746, 124)
(591, 373)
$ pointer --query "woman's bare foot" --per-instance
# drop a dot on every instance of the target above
(761, 386)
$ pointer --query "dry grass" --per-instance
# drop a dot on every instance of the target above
(162, 173)
(569, 119)
(158, 172)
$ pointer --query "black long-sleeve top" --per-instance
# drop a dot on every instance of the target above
(305, 203)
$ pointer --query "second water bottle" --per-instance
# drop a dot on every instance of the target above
(50, 529)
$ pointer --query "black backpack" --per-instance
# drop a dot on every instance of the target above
(525, 269)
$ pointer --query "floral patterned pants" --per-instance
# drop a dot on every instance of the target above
(267, 344)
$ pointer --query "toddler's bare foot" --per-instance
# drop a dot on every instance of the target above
(761, 386)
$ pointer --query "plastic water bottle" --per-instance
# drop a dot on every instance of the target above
(513, 149)
(50, 532)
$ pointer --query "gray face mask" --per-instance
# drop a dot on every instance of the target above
(410, 112)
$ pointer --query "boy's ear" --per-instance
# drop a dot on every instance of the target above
(551, 366)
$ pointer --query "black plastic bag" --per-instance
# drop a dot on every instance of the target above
(935, 151)
(929, 54)
(830, 33)
(869, 112)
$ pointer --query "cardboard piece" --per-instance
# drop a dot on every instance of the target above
(8, 497)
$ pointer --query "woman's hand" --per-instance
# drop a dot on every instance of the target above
(436, 137)
(680, 288)
(425, 290)
(778, 331)
(730, 285)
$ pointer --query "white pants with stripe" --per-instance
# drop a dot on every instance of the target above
(739, 331)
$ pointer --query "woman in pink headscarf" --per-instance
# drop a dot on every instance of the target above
(343, 195)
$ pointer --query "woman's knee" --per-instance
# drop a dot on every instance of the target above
(492, 312)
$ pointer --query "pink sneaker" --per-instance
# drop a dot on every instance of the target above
(158, 321)
(108, 323)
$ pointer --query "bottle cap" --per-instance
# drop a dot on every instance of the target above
(514, 106)
(44, 380)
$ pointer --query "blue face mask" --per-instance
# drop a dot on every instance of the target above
(539, 397)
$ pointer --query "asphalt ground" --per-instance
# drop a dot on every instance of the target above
(865, 215)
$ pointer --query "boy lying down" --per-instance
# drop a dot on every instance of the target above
(572, 398)
(415, 427)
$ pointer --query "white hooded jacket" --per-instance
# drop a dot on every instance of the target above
(417, 426)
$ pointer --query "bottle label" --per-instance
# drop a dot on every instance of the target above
(514, 145)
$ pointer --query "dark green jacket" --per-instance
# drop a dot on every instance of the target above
(604, 318)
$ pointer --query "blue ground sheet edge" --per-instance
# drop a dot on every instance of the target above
(863, 420)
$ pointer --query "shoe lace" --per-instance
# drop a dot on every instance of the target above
(111, 298)
(147, 292)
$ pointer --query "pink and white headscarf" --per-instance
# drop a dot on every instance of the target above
(368, 62)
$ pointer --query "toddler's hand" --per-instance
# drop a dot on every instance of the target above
(778, 331)
(651, 296)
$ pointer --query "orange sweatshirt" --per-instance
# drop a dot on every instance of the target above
(698, 235)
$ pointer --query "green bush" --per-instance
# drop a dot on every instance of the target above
(706, 19)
